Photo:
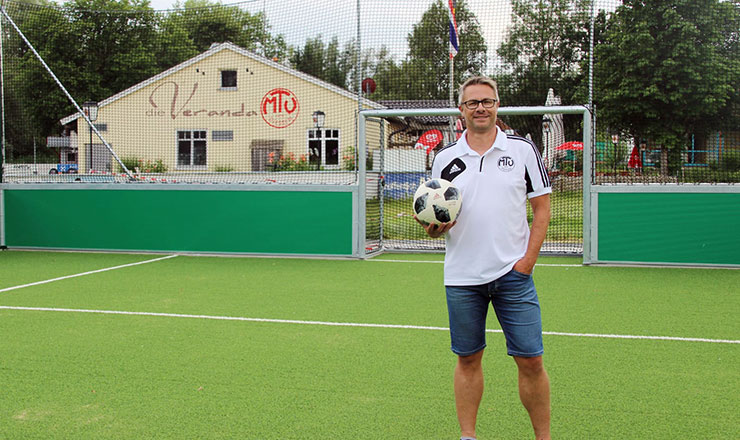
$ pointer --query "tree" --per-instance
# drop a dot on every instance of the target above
(670, 68)
(326, 62)
(547, 41)
(425, 72)
(98, 48)
(95, 47)
(203, 23)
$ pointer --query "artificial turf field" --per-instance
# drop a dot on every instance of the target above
(193, 347)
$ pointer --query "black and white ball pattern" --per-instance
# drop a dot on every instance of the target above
(437, 201)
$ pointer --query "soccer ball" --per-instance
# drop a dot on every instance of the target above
(437, 201)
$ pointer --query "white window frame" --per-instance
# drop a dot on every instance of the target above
(335, 135)
(204, 138)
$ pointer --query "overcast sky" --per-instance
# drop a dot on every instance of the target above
(383, 21)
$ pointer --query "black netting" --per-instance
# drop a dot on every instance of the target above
(269, 91)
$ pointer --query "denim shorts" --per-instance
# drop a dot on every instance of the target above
(517, 308)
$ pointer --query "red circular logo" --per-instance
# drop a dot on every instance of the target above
(279, 108)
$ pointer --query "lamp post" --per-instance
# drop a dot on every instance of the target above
(546, 121)
(615, 141)
(318, 120)
(91, 110)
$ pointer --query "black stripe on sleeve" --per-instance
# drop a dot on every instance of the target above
(540, 164)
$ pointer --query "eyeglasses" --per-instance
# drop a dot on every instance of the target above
(472, 104)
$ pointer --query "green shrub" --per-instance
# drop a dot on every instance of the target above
(289, 162)
(137, 165)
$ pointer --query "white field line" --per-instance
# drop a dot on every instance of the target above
(620, 265)
(355, 324)
(442, 262)
(66, 277)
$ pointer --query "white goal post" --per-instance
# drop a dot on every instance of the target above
(365, 115)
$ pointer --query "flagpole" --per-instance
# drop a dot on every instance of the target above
(452, 96)
(454, 44)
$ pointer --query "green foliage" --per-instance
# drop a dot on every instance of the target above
(426, 72)
(223, 168)
(730, 161)
(547, 47)
(289, 162)
(137, 165)
(349, 160)
(204, 23)
(544, 49)
(131, 162)
(101, 47)
(670, 68)
(326, 62)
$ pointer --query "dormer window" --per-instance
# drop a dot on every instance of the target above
(228, 79)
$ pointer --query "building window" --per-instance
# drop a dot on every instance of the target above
(323, 147)
(228, 79)
(222, 135)
(191, 148)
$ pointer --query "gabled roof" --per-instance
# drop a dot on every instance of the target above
(432, 103)
(218, 47)
(419, 104)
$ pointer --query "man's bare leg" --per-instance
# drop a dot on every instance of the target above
(534, 392)
(468, 391)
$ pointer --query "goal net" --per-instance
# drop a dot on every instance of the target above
(401, 159)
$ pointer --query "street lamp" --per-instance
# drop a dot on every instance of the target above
(615, 141)
(318, 120)
(546, 121)
(91, 111)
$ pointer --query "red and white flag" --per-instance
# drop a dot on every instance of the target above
(454, 42)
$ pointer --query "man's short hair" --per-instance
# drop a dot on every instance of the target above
(473, 81)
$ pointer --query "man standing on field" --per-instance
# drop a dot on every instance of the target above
(491, 252)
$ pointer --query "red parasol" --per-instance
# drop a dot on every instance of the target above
(635, 161)
(572, 145)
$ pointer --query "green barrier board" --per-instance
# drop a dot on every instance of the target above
(686, 228)
(270, 222)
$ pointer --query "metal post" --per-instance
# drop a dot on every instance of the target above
(360, 223)
(2, 217)
(587, 172)
(2, 115)
(90, 165)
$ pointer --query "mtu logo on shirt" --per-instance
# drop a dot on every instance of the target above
(505, 163)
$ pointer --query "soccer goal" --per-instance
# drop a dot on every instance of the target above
(402, 158)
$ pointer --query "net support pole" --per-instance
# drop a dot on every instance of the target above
(360, 218)
(587, 167)
(2, 127)
(3, 244)
(2, 98)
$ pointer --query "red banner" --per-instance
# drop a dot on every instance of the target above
(429, 140)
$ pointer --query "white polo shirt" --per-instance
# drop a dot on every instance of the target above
(491, 233)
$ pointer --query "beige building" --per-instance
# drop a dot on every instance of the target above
(226, 109)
